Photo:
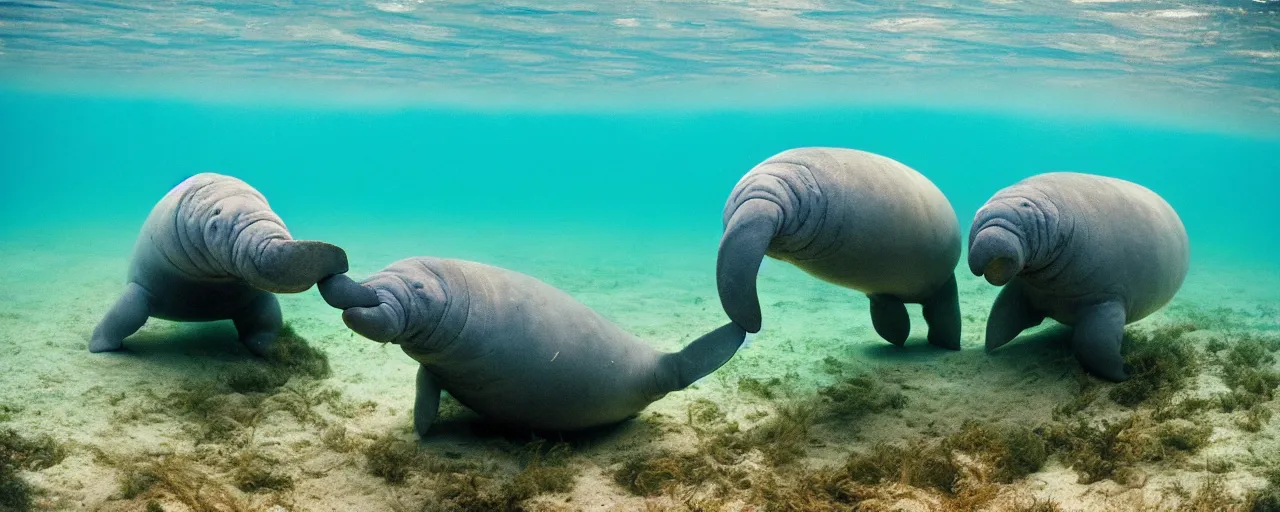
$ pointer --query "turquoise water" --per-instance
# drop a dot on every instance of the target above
(593, 145)
(104, 161)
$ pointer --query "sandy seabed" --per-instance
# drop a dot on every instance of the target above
(119, 415)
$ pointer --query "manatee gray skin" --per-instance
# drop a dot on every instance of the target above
(515, 349)
(851, 218)
(1092, 252)
(212, 249)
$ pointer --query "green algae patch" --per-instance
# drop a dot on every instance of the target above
(290, 356)
(546, 470)
(293, 355)
(251, 377)
(467, 485)
(8, 411)
(30, 454)
(1161, 362)
(1247, 365)
(15, 493)
(761, 389)
(1267, 499)
(391, 458)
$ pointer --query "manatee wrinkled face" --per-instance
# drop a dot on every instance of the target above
(999, 237)
(411, 305)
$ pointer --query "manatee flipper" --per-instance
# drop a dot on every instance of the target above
(259, 323)
(126, 316)
(292, 266)
(1099, 331)
(342, 292)
(942, 314)
(1010, 315)
(700, 358)
(426, 403)
(742, 249)
(889, 317)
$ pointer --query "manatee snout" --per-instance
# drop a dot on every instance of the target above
(996, 249)
(293, 266)
(342, 292)
(381, 323)
(996, 254)
(371, 310)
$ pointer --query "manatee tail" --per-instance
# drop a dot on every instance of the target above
(703, 356)
(746, 238)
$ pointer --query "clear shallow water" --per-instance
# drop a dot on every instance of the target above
(1186, 59)
(85, 161)
(593, 146)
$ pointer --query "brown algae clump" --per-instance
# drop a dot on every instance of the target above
(391, 458)
(858, 397)
(990, 453)
(1038, 505)
(545, 472)
(395, 459)
(753, 386)
(958, 472)
(1212, 496)
(722, 446)
(653, 473)
(18, 453)
(1111, 448)
(1009, 453)
(253, 471)
(174, 475)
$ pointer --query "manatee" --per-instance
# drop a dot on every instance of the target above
(850, 218)
(1091, 252)
(515, 349)
(212, 249)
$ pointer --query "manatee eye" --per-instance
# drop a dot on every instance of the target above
(217, 211)
(417, 285)
(1026, 204)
